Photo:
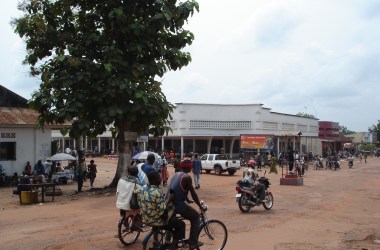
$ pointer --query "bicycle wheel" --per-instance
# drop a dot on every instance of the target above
(127, 232)
(158, 239)
(213, 235)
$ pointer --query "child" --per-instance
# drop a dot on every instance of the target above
(164, 171)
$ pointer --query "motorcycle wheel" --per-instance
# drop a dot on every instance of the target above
(243, 203)
(268, 203)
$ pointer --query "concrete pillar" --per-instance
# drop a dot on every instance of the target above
(209, 144)
(182, 145)
(232, 146)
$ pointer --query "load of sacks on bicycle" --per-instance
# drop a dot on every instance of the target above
(142, 184)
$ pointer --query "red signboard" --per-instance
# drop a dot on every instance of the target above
(257, 141)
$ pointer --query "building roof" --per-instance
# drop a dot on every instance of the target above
(11, 99)
(22, 117)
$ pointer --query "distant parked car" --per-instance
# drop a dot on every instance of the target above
(219, 163)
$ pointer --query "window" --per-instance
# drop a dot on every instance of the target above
(221, 157)
(220, 124)
(7, 151)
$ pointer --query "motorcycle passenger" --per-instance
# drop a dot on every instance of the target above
(253, 177)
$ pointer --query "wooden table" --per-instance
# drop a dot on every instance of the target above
(31, 187)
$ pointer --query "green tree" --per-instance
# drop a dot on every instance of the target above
(368, 147)
(305, 115)
(100, 62)
(375, 129)
(345, 131)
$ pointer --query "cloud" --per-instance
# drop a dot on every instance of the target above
(316, 56)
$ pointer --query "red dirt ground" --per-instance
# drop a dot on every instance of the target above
(333, 210)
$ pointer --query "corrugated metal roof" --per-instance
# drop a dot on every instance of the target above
(21, 117)
(18, 116)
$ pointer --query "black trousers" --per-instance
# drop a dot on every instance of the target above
(193, 216)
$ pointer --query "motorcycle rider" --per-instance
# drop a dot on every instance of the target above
(350, 161)
(251, 176)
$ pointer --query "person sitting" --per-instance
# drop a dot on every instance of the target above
(153, 209)
(252, 177)
(39, 170)
(181, 184)
(28, 169)
(125, 189)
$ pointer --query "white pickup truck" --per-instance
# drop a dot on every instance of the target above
(219, 163)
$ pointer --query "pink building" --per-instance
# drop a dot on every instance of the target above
(332, 141)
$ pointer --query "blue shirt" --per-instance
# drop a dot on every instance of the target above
(40, 169)
(197, 166)
(146, 168)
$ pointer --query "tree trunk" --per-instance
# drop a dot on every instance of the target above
(125, 154)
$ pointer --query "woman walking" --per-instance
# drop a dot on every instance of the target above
(92, 172)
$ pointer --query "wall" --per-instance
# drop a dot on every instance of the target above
(252, 118)
(31, 145)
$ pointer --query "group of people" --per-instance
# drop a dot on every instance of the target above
(80, 170)
(43, 170)
(154, 204)
(40, 170)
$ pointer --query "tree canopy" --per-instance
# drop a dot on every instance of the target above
(375, 129)
(345, 131)
(99, 61)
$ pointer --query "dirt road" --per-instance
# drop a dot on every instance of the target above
(333, 210)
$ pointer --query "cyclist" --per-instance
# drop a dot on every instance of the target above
(180, 185)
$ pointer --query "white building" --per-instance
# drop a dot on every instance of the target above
(21, 140)
(208, 128)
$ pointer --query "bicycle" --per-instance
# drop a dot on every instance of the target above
(212, 233)
(129, 228)
(6, 181)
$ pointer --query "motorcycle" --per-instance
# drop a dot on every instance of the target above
(243, 163)
(318, 164)
(247, 195)
(350, 162)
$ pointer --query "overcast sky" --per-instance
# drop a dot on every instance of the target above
(320, 57)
